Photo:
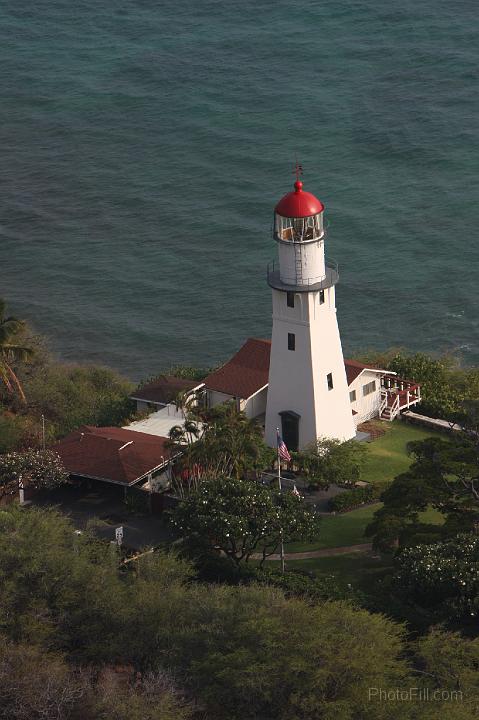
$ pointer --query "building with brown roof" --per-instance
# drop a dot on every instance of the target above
(162, 391)
(244, 379)
(115, 455)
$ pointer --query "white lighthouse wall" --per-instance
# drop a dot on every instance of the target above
(334, 418)
(298, 379)
(302, 262)
(290, 372)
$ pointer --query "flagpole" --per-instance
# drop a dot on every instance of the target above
(281, 551)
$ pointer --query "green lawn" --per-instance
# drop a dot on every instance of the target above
(387, 455)
(339, 530)
(358, 570)
(348, 528)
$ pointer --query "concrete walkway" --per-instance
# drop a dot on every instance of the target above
(326, 552)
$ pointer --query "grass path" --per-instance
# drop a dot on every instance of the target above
(326, 552)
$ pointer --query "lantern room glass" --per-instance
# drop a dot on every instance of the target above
(299, 229)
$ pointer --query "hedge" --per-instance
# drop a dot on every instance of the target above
(352, 498)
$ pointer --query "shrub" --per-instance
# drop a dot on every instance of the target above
(352, 498)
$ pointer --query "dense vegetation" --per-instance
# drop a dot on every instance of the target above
(329, 461)
(33, 384)
(211, 633)
(69, 617)
(353, 498)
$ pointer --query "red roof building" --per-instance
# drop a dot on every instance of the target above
(164, 389)
(354, 369)
(246, 373)
(113, 455)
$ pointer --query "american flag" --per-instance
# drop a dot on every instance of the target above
(283, 450)
(295, 491)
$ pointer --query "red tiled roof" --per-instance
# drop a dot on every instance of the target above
(353, 369)
(246, 372)
(164, 389)
(112, 454)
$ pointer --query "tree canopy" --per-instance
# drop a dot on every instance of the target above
(31, 468)
(330, 461)
(190, 649)
(444, 474)
(11, 351)
(442, 578)
(242, 517)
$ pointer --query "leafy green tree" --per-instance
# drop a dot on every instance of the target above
(10, 351)
(329, 461)
(242, 517)
(17, 432)
(57, 588)
(35, 685)
(444, 474)
(260, 655)
(32, 468)
(188, 372)
(451, 661)
(154, 696)
(441, 394)
(73, 395)
(243, 652)
(442, 578)
(302, 584)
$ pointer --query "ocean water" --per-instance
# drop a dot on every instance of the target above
(144, 145)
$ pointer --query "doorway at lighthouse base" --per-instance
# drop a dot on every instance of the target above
(290, 428)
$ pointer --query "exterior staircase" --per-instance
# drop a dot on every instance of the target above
(397, 395)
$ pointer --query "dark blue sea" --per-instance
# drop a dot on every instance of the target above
(144, 144)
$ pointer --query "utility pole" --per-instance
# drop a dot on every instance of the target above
(43, 432)
(281, 551)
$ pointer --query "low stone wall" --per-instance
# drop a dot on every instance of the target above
(432, 423)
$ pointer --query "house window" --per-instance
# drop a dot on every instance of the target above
(290, 299)
(321, 297)
(291, 341)
(329, 378)
(369, 388)
(352, 396)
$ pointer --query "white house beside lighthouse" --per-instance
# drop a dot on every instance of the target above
(308, 395)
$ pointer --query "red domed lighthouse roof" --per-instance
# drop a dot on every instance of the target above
(299, 203)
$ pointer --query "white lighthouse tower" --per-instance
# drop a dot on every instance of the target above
(308, 395)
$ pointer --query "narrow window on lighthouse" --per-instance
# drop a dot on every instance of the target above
(329, 378)
(321, 297)
(290, 299)
(291, 341)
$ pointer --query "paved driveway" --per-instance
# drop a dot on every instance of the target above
(105, 507)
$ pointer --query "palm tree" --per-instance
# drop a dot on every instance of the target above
(10, 353)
